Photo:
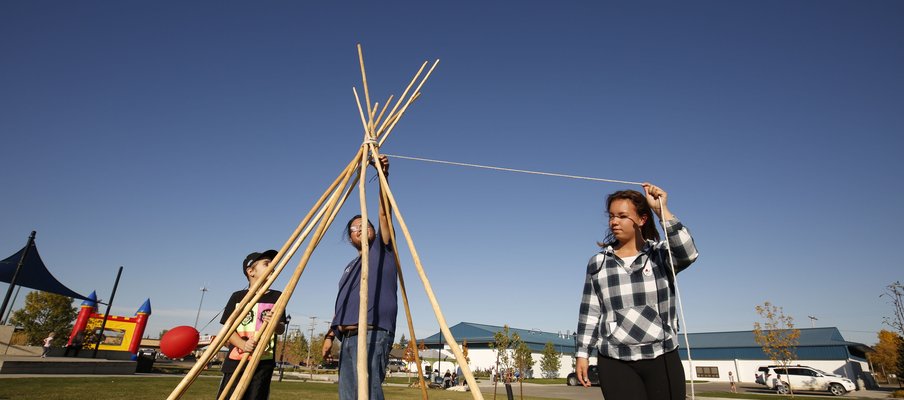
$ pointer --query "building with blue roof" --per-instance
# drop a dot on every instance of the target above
(713, 354)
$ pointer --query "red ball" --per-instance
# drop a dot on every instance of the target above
(179, 341)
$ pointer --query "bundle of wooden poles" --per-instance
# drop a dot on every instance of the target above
(318, 220)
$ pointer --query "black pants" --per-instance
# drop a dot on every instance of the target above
(74, 348)
(661, 378)
(258, 388)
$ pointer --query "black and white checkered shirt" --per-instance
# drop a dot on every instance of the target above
(630, 310)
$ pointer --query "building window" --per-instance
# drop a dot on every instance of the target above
(707, 372)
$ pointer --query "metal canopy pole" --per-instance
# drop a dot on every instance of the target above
(103, 324)
(12, 282)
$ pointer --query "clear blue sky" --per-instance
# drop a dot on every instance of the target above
(173, 138)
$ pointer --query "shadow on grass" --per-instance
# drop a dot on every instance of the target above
(155, 388)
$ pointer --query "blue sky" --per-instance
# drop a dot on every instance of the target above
(173, 138)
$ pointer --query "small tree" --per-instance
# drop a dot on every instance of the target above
(410, 356)
(44, 313)
(296, 348)
(464, 350)
(884, 356)
(403, 343)
(315, 348)
(551, 361)
(900, 361)
(421, 348)
(523, 360)
(777, 335)
(895, 292)
(502, 342)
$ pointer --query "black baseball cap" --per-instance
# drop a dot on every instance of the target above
(255, 257)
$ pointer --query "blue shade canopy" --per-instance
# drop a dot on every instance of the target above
(34, 274)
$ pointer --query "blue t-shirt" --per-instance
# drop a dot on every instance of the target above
(382, 282)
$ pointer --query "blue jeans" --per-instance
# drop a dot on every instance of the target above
(379, 342)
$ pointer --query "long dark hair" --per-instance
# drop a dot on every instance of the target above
(347, 233)
(648, 230)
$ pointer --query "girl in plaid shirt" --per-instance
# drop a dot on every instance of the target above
(628, 310)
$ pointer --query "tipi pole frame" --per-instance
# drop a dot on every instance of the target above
(315, 217)
(273, 270)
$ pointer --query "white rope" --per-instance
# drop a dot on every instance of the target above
(671, 268)
(513, 170)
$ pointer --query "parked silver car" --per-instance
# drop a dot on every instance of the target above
(799, 377)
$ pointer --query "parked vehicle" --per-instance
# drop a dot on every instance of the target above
(397, 366)
(799, 377)
(572, 379)
(285, 365)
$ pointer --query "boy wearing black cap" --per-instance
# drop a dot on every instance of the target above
(242, 340)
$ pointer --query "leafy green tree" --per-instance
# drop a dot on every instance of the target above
(777, 336)
(523, 360)
(43, 313)
(551, 361)
(296, 348)
(502, 342)
(403, 343)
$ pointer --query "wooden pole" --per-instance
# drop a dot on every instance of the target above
(395, 251)
(410, 100)
(402, 98)
(459, 356)
(364, 78)
(239, 370)
(363, 373)
(385, 107)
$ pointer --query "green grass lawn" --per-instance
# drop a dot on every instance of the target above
(156, 388)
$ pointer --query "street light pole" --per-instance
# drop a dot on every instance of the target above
(282, 354)
(203, 290)
(311, 347)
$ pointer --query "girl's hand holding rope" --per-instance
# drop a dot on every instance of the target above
(657, 199)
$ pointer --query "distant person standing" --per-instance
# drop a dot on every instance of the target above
(76, 345)
(48, 341)
(731, 383)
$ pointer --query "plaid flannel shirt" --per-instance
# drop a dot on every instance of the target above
(630, 311)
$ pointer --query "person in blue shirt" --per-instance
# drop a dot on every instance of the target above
(382, 304)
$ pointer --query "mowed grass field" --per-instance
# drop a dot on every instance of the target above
(157, 388)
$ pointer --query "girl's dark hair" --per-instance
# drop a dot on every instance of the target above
(347, 233)
(648, 230)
